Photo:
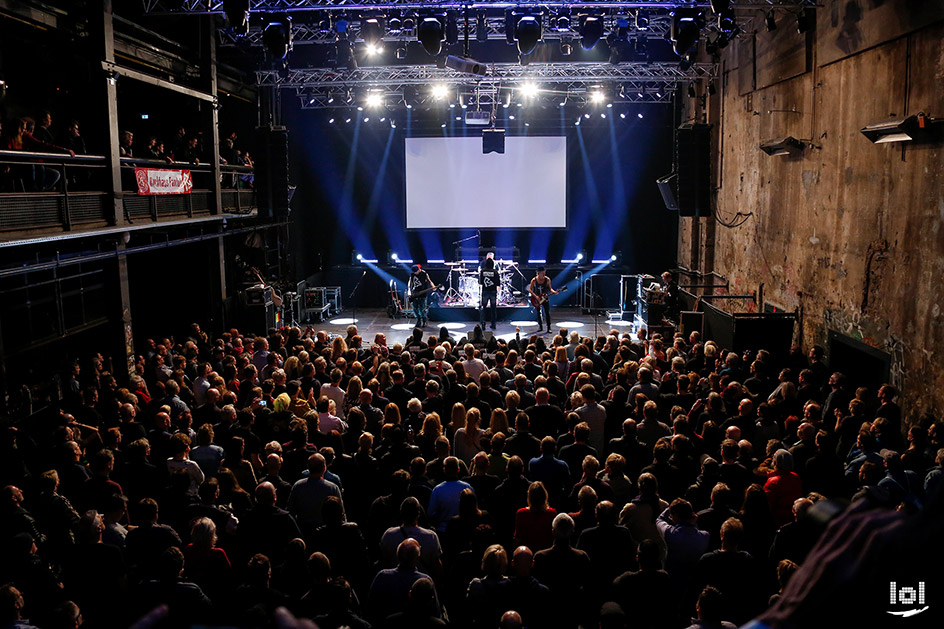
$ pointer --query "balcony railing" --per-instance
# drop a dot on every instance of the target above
(52, 191)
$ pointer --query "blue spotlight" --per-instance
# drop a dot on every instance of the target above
(613, 258)
(579, 256)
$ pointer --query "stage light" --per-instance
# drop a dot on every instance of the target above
(511, 117)
(639, 116)
(360, 108)
(771, 22)
(616, 54)
(383, 118)
(394, 25)
(563, 20)
(481, 26)
(591, 32)
(685, 30)
(440, 91)
(685, 63)
(805, 20)
(237, 14)
(641, 45)
(452, 28)
(577, 124)
(430, 35)
(919, 127)
(623, 115)
(360, 257)
(443, 125)
(347, 120)
(642, 20)
(374, 99)
(586, 115)
(603, 115)
(409, 24)
(277, 37)
(578, 257)
(366, 119)
(613, 258)
(783, 146)
(566, 48)
(373, 49)
(409, 96)
(330, 120)
(527, 34)
(346, 56)
(528, 90)
(401, 53)
(458, 117)
(597, 96)
(372, 33)
(394, 256)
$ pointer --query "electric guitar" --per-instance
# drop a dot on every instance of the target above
(538, 301)
(422, 293)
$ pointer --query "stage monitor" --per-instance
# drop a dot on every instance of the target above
(451, 184)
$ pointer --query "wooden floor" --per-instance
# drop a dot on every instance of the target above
(371, 321)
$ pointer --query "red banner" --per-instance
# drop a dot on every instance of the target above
(163, 181)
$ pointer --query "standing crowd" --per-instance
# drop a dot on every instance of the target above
(618, 481)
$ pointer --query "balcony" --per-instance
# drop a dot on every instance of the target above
(80, 200)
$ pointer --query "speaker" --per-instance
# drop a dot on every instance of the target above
(273, 192)
(693, 169)
(667, 186)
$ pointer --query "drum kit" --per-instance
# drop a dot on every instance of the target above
(465, 290)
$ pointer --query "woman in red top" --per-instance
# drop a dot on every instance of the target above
(783, 487)
(533, 523)
(204, 563)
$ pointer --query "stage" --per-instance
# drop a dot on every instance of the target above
(371, 321)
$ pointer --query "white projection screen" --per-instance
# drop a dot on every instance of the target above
(451, 184)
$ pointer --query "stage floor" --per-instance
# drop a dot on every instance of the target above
(370, 321)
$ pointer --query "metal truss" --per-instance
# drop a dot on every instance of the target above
(290, 6)
(513, 73)
(321, 88)
(304, 33)
(485, 95)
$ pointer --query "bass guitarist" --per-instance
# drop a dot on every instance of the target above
(419, 281)
(541, 290)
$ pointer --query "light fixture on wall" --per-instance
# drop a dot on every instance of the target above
(783, 146)
(915, 127)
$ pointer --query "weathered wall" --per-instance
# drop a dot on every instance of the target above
(850, 234)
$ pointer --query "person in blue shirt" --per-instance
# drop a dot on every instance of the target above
(444, 501)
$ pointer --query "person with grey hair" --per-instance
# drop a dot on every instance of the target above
(783, 487)
(565, 571)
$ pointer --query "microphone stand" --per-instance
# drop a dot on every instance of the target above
(351, 297)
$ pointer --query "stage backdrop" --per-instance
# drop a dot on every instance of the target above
(351, 189)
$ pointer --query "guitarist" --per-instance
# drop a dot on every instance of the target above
(489, 280)
(419, 281)
(541, 290)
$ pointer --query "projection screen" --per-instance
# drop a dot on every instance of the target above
(451, 184)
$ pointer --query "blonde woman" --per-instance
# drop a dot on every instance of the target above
(469, 439)
(456, 421)
(498, 421)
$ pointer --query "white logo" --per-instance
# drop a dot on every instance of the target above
(907, 596)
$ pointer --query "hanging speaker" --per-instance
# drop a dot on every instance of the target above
(693, 169)
(270, 160)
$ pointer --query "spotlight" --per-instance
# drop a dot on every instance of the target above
(578, 257)
(330, 120)
(616, 54)
(481, 26)
(613, 258)
(324, 25)
(277, 37)
(566, 47)
(591, 32)
(347, 120)
(430, 35)
(597, 96)
(623, 116)
(586, 115)
(528, 90)
(527, 34)
(771, 22)
(401, 53)
(685, 63)
(375, 99)
(360, 257)
(372, 33)
(346, 56)
(443, 125)
(452, 28)
(366, 119)
(641, 46)
(394, 25)
(510, 27)
(408, 25)
(237, 14)
(805, 20)
(684, 30)
(373, 49)
(511, 117)
(639, 115)
(394, 256)
(409, 96)
(440, 91)
(563, 20)
(783, 146)
(642, 20)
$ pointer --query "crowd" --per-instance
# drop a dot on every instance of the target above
(474, 483)
(24, 134)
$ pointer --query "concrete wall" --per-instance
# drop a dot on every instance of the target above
(850, 233)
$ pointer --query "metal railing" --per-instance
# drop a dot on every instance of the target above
(50, 191)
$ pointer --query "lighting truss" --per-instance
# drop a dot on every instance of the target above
(505, 73)
(303, 33)
(203, 7)
(488, 94)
